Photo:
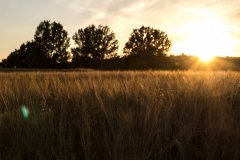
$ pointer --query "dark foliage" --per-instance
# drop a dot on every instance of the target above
(47, 50)
(93, 45)
(53, 40)
(147, 41)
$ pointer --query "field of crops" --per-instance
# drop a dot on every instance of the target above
(120, 115)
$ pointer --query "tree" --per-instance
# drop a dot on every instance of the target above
(12, 60)
(19, 58)
(29, 55)
(147, 41)
(96, 43)
(48, 49)
(53, 41)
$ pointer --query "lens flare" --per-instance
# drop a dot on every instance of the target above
(25, 111)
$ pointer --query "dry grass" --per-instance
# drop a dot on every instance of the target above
(120, 115)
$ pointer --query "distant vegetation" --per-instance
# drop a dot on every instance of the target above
(119, 115)
(96, 48)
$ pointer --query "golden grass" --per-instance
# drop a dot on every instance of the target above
(120, 115)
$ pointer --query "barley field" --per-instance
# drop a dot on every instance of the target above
(129, 115)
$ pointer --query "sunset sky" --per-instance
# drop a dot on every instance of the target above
(196, 27)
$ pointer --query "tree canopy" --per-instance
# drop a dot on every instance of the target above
(48, 49)
(147, 41)
(54, 41)
(95, 43)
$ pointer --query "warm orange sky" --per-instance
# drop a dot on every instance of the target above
(197, 27)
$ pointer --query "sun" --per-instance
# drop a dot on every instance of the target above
(206, 58)
(205, 38)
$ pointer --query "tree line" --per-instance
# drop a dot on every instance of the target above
(96, 47)
(50, 47)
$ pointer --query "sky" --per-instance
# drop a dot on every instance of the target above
(208, 27)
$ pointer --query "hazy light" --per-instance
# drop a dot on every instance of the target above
(206, 58)
(206, 37)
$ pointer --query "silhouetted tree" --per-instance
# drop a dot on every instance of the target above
(53, 42)
(12, 59)
(27, 56)
(19, 58)
(48, 49)
(37, 56)
(24, 55)
(147, 41)
(94, 43)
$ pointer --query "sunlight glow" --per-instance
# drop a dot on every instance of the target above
(206, 58)
(206, 38)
